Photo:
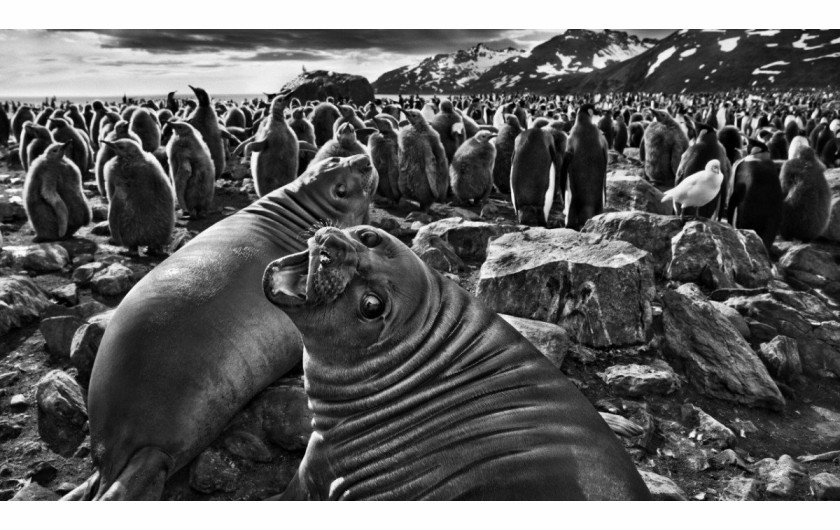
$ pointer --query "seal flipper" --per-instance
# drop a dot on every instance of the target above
(142, 479)
(84, 491)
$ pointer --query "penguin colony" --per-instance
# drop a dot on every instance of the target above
(753, 163)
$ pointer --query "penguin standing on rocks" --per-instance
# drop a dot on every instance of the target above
(384, 154)
(274, 150)
(696, 157)
(807, 197)
(204, 119)
(697, 189)
(532, 176)
(52, 195)
(302, 128)
(5, 127)
(756, 199)
(664, 143)
(450, 126)
(505, 143)
(471, 170)
(22, 115)
(191, 170)
(583, 178)
(145, 125)
(79, 151)
(621, 136)
(323, 118)
(121, 131)
(36, 140)
(142, 207)
(344, 144)
(605, 125)
(424, 176)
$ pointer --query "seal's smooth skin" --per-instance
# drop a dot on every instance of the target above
(196, 339)
(421, 392)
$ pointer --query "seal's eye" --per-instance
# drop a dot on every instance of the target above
(371, 306)
(341, 191)
(370, 239)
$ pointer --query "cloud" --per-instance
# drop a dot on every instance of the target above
(288, 55)
(408, 41)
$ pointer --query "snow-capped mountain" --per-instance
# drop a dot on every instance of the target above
(711, 60)
(444, 72)
(578, 51)
(481, 69)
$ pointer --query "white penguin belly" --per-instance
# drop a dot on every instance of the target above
(549, 194)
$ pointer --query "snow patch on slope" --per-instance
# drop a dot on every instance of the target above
(662, 57)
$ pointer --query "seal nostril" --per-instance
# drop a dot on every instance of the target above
(325, 258)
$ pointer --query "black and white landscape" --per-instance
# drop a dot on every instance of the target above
(642, 223)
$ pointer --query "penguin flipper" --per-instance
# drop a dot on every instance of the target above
(564, 170)
(50, 194)
(441, 170)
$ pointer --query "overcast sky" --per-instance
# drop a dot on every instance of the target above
(142, 62)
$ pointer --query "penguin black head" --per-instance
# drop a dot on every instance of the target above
(98, 105)
(201, 95)
(586, 110)
(756, 146)
(446, 106)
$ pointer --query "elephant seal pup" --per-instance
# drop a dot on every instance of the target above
(419, 391)
(53, 197)
(196, 338)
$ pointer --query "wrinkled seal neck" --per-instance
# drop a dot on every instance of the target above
(346, 383)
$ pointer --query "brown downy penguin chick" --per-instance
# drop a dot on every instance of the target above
(99, 112)
(664, 144)
(807, 197)
(52, 195)
(731, 140)
(107, 123)
(22, 115)
(234, 117)
(532, 176)
(204, 119)
(274, 150)
(128, 112)
(36, 139)
(306, 154)
(74, 116)
(423, 173)
(304, 130)
(348, 115)
(323, 120)
(145, 125)
(756, 199)
(142, 208)
(705, 148)
(43, 116)
(778, 146)
(583, 179)
(172, 103)
(384, 153)
(450, 127)
(191, 169)
(505, 142)
(605, 125)
(471, 170)
(121, 131)
(621, 134)
(79, 150)
(344, 144)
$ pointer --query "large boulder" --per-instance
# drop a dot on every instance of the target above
(781, 357)
(807, 264)
(61, 412)
(40, 258)
(469, 239)
(643, 230)
(21, 301)
(550, 339)
(716, 255)
(321, 84)
(629, 193)
(635, 380)
(598, 289)
(715, 358)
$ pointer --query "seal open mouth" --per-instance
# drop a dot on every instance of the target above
(314, 277)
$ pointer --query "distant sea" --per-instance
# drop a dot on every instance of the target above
(37, 100)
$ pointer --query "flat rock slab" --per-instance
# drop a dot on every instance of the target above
(40, 258)
(662, 488)
(21, 301)
(634, 380)
(714, 356)
(468, 238)
(633, 193)
(599, 290)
